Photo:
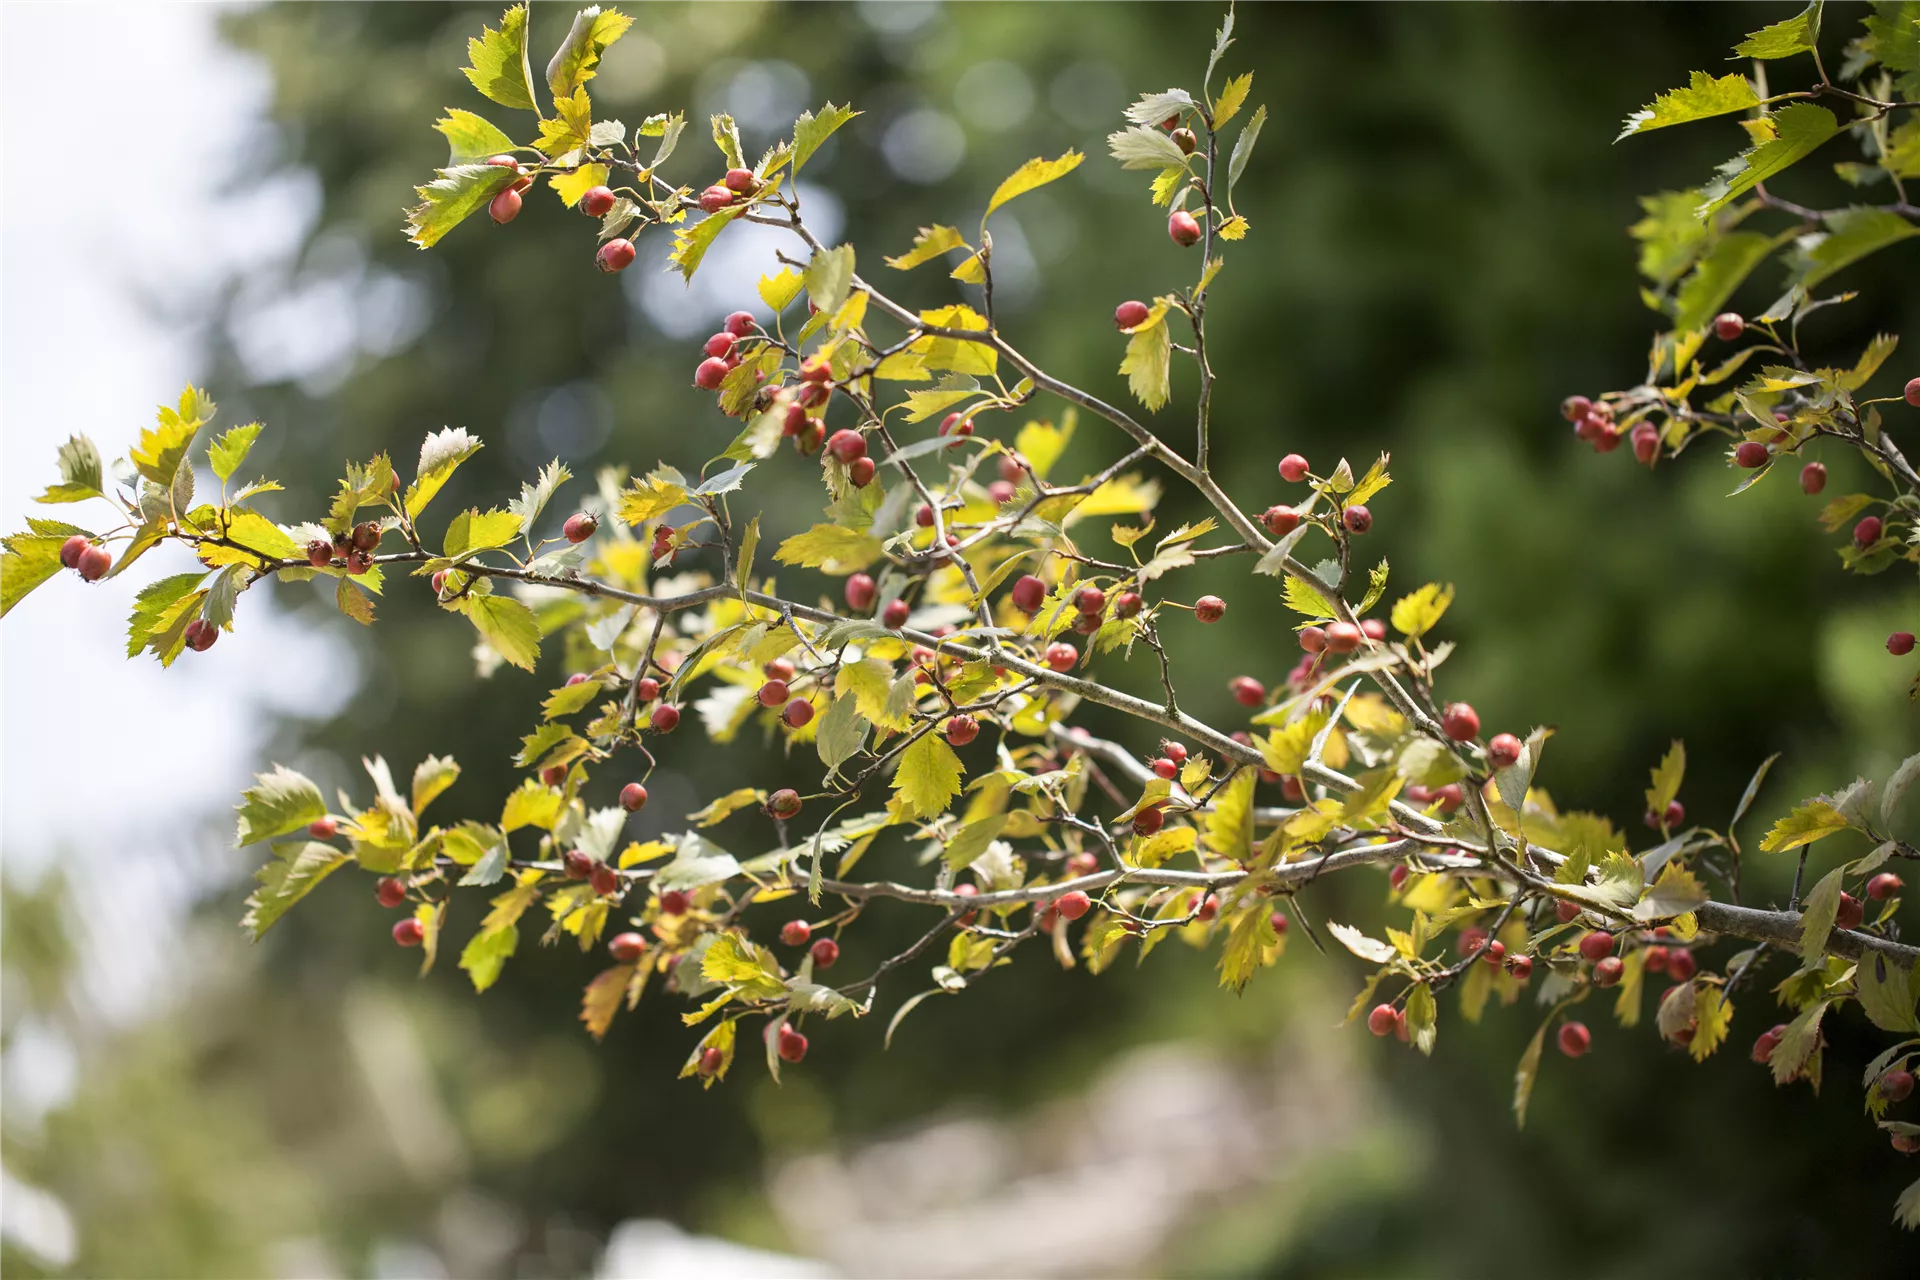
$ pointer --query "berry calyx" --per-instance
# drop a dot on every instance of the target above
(824, 953)
(847, 445)
(1028, 594)
(1382, 1019)
(633, 797)
(1061, 656)
(1129, 314)
(1293, 468)
(580, 526)
(1357, 519)
(597, 202)
(409, 932)
(615, 255)
(665, 718)
(1247, 691)
(1280, 521)
(1883, 886)
(626, 947)
(1504, 750)
(674, 902)
(1729, 325)
(1073, 905)
(504, 207)
(740, 181)
(93, 562)
(894, 616)
(1865, 534)
(1575, 1039)
(1813, 477)
(859, 592)
(1182, 229)
(1209, 609)
(792, 1046)
(961, 730)
(797, 714)
(1460, 722)
(784, 803)
(1900, 643)
(1596, 946)
(390, 891)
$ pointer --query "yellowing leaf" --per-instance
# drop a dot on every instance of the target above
(651, 498)
(928, 245)
(831, 548)
(1420, 611)
(1233, 95)
(601, 1000)
(1250, 943)
(1234, 228)
(777, 291)
(571, 186)
(1230, 821)
(927, 777)
(578, 58)
(1811, 821)
(507, 625)
(498, 61)
(1037, 172)
(1148, 360)
(810, 130)
(1667, 776)
(1703, 97)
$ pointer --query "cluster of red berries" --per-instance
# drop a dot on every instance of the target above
(352, 549)
(723, 351)
(505, 206)
(86, 557)
(777, 691)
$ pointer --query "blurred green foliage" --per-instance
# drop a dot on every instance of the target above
(1438, 256)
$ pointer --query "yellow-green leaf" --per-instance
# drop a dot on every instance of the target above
(1037, 172)
(929, 244)
(927, 777)
(1811, 821)
(1420, 611)
(498, 61)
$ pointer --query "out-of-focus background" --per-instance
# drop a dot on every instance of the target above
(1438, 257)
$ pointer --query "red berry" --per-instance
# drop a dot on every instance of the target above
(1751, 454)
(1397, 877)
(894, 616)
(798, 713)
(1565, 912)
(390, 891)
(646, 689)
(1895, 1086)
(614, 255)
(1090, 600)
(967, 891)
(1767, 1042)
(720, 345)
(1912, 392)
(816, 369)
(1450, 797)
(626, 947)
(597, 202)
(665, 718)
(792, 1045)
(1606, 440)
(739, 323)
(1247, 691)
(1343, 637)
(1290, 789)
(605, 879)
(94, 561)
(715, 198)
(859, 592)
(847, 445)
(1575, 1039)
(740, 181)
(711, 1060)
(1728, 325)
(1608, 971)
(784, 803)
(577, 864)
(1209, 608)
(1279, 922)
(1900, 643)
(1813, 478)
(1209, 909)
(1313, 639)
(824, 953)
(954, 425)
(773, 693)
(200, 635)
(1646, 442)
(860, 473)
(70, 550)
(1001, 491)
(1906, 1143)
(554, 774)
(1574, 408)
(795, 933)
(580, 526)
(1681, 966)
(1073, 905)
(1654, 959)
(1373, 629)
(673, 902)
(1850, 912)
(505, 206)
(1128, 604)
(1280, 521)
(1383, 1019)
(1521, 967)
(1460, 722)
(324, 828)
(962, 729)
(1293, 468)
(1028, 594)
(633, 797)
(1596, 945)
(1883, 886)
(1166, 768)
(1129, 314)
(1149, 820)
(409, 932)
(1865, 534)
(1061, 656)
(709, 374)
(1182, 229)
(1504, 750)
(1357, 519)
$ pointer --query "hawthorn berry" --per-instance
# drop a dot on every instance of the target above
(1883, 886)
(1906, 1143)
(784, 803)
(1165, 768)
(1397, 877)
(1357, 519)
(894, 616)
(1073, 905)
(1460, 722)
(795, 933)
(1751, 454)
(740, 181)
(1521, 967)
(324, 828)
(792, 1045)
(1127, 604)
(1813, 477)
(1900, 643)
(409, 932)
(1290, 789)
(1895, 1086)
(923, 516)
(390, 891)
(200, 635)
(1450, 797)
(711, 1060)
(1129, 314)
(1574, 408)
(1382, 1019)
(1566, 912)
(1729, 325)
(597, 202)
(1313, 639)
(1082, 864)
(1182, 229)
(773, 693)
(1681, 966)
(554, 774)
(1090, 600)
(824, 952)
(715, 198)
(847, 445)
(1279, 922)
(1280, 521)
(1849, 913)
(1575, 1039)
(1185, 140)
(961, 730)
(1149, 820)
(1606, 440)
(1247, 691)
(1607, 972)
(860, 473)
(1343, 637)
(626, 947)
(1028, 594)
(720, 345)
(739, 323)
(777, 669)
(968, 890)
(1209, 608)
(665, 718)
(1596, 945)
(580, 526)
(954, 425)
(633, 797)
(1654, 959)
(358, 562)
(859, 592)
(646, 689)
(674, 902)
(1061, 656)
(1912, 392)
(798, 713)
(93, 562)
(709, 374)
(1865, 534)
(614, 255)
(1767, 1042)
(504, 207)
(70, 550)
(1293, 468)
(604, 879)
(1646, 442)
(1373, 629)
(577, 864)
(1504, 750)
